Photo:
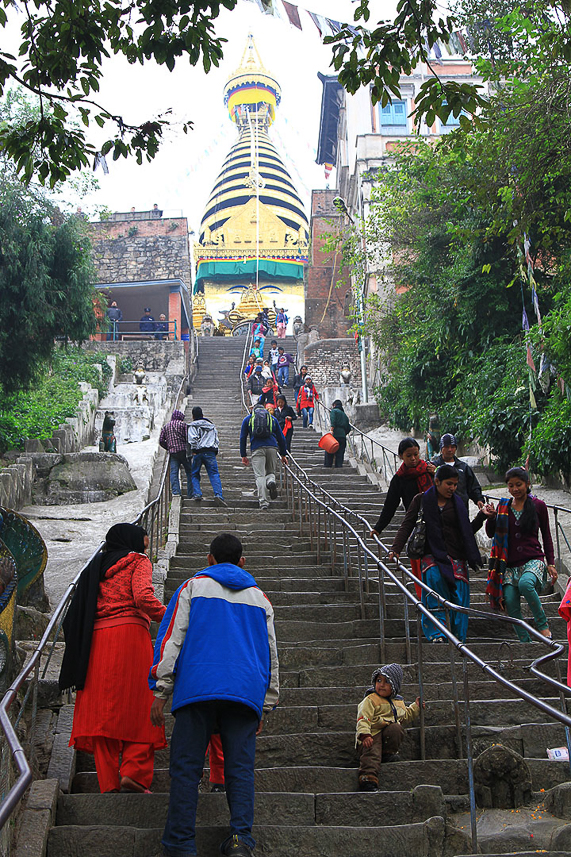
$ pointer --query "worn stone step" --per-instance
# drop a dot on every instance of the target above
(315, 841)
(450, 774)
(292, 808)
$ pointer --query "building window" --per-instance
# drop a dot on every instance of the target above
(393, 118)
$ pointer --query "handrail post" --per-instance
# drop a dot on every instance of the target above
(420, 685)
(556, 516)
(382, 611)
(318, 534)
(456, 700)
(408, 647)
(470, 759)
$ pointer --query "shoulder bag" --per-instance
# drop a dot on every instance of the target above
(416, 545)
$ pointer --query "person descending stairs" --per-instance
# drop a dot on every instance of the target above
(306, 775)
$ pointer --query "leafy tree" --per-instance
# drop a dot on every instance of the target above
(63, 45)
(46, 277)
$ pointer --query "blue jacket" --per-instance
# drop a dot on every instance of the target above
(276, 439)
(217, 641)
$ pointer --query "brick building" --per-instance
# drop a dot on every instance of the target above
(328, 285)
(143, 260)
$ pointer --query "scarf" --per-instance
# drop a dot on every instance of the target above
(420, 473)
(498, 556)
(122, 539)
(435, 537)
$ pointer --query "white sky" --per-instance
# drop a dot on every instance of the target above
(181, 176)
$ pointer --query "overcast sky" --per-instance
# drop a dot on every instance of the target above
(181, 177)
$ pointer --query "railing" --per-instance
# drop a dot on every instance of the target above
(246, 403)
(380, 458)
(118, 329)
(154, 518)
(338, 531)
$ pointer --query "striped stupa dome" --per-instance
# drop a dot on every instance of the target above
(253, 163)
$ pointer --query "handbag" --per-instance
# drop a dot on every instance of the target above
(416, 545)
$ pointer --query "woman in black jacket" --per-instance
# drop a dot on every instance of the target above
(413, 477)
(285, 415)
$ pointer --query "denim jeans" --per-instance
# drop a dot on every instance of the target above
(283, 375)
(176, 459)
(307, 416)
(194, 724)
(434, 578)
(208, 458)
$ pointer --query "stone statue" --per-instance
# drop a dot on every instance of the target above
(207, 326)
(108, 441)
(345, 375)
(139, 373)
(297, 325)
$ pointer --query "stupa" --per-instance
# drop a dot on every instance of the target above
(254, 233)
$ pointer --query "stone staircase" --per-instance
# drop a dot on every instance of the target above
(306, 766)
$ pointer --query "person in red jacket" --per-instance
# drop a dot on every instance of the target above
(308, 395)
(108, 654)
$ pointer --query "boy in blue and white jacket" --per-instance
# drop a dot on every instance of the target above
(216, 653)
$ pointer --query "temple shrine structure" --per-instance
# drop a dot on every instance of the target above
(254, 233)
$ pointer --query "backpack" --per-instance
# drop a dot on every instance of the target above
(261, 424)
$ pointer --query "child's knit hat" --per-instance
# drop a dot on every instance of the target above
(393, 672)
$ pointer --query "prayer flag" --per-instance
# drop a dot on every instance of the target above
(318, 20)
(529, 359)
(293, 14)
(524, 320)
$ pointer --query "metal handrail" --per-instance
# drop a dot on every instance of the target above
(247, 346)
(154, 517)
(311, 508)
(389, 458)
(117, 331)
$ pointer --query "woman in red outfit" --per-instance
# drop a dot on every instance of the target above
(107, 659)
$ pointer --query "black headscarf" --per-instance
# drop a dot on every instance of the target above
(121, 540)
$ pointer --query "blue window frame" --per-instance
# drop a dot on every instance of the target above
(393, 115)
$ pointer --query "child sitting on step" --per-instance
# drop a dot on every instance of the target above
(380, 719)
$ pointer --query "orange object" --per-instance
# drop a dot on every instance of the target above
(328, 443)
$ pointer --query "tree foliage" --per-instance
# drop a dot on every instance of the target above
(46, 276)
(55, 396)
(62, 48)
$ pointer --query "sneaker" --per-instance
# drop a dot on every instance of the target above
(216, 788)
(367, 784)
(234, 847)
(197, 498)
(219, 501)
(391, 757)
(264, 505)
(273, 489)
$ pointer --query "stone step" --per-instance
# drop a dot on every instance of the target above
(279, 840)
(292, 808)
(450, 774)
(499, 712)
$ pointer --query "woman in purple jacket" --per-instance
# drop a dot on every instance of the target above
(518, 561)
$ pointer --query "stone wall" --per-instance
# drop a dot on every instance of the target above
(140, 250)
(326, 304)
(167, 356)
(16, 483)
(325, 359)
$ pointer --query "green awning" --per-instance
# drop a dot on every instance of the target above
(226, 270)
